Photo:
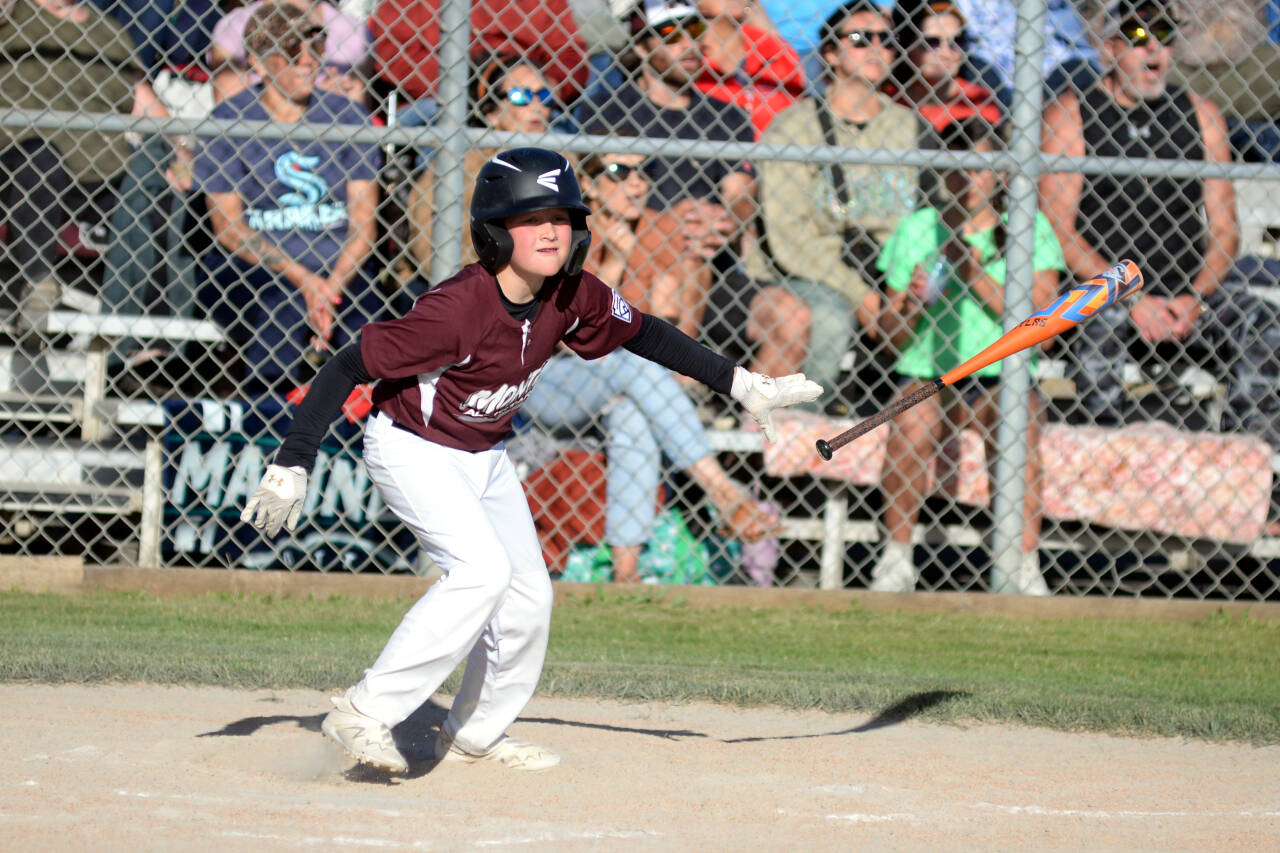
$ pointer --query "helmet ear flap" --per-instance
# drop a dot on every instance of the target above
(578, 254)
(581, 239)
(493, 245)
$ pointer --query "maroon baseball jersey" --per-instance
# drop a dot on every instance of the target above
(456, 368)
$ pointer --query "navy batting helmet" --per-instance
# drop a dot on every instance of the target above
(523, 180)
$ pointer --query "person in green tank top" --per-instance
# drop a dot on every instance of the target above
(946, 268)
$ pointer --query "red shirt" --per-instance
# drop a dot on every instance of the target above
(770, 80)
(971, 100)
(456, 368)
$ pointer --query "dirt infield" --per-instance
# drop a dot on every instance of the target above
(158, 768)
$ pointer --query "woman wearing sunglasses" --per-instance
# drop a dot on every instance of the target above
(931, 36)
(506, 92)
(340, 42)
(642, 409)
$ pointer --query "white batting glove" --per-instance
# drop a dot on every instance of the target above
(278, 501)
(760, 395)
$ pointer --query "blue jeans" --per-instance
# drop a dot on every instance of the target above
(645, 414)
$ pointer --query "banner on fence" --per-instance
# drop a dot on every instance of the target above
(215, 455)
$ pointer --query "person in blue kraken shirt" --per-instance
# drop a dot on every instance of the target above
(293, 219)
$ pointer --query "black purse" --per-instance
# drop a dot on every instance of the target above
(860, 249)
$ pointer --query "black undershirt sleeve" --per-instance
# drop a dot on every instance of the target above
(664, 344)
(318, 410)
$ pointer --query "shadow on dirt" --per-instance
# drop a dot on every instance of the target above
(249, 725)
(666, 734)
(900, 711)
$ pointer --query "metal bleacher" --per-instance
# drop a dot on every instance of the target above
(89, 472)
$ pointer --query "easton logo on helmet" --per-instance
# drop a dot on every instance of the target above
(548, 180)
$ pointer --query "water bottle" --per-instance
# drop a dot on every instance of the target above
(937, 278)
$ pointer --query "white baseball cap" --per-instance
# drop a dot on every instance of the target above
(651, 13)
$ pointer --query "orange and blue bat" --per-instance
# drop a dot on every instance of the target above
(1065, 312)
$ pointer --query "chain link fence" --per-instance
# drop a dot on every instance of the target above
(203, 201)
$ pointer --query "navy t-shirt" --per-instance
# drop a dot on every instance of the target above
(294, 191)
(674, 178)
(456, 368)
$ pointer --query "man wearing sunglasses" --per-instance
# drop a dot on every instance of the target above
(661, 100)
(1182, 232)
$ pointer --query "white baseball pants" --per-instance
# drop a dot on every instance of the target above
(493, 605)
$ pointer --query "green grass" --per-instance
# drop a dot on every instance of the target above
(1216, 678)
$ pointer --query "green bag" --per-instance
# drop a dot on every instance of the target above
(588, 564)
(674, 555)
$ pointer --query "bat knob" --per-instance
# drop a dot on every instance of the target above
(824, 449)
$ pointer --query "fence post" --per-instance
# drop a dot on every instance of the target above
(1024, 145)
(450, 157)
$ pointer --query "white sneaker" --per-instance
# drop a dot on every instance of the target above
(895, 572)
(516, 754)
(364, 738)
(1029, 580)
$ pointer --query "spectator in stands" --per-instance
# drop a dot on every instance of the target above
(946, 270)
(293, 219)
(1070, 59)
(800, 22)
(932, 39)
(822, 226)
(645, 414)
(149, 264)
(746, 62)
(64, 56)
(662, 100)
(406, 40)
(344, 66)
(506, 92)
(1182, 232)
(698, 208)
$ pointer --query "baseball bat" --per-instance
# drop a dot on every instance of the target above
(1080, 303)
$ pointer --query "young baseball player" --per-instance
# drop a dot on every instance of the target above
(450, 375)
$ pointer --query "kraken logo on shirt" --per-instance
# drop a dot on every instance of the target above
(301, 208)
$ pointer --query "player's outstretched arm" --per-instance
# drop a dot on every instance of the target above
(760, 395)
(278, 500)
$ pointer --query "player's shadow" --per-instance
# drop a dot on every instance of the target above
(900, 711)
(249, 725)
(666, 734)
(415, 736)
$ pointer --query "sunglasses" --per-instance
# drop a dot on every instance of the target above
(523, 96)
(672, 31)
(313, 38)
(866, 38)
(936, 43)
(619, 172)
(1139, 34)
